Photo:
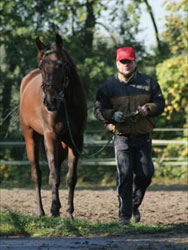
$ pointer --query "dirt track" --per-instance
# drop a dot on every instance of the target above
(159, 208)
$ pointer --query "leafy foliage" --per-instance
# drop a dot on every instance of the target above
(172, 73)
(173, 78)
(176, 32)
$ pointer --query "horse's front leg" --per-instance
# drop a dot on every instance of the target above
(54, 162)
(32, 147)
(71, 180)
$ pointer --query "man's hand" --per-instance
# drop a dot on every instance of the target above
(118, 116)
(143, 111)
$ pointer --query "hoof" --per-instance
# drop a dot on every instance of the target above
(70, 216)
(55, 209)
(41, 213)
(55, 213)
(124, 222)
(136, 215)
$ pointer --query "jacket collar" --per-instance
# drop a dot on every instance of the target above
(127, 78)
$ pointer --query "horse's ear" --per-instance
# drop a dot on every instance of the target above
(59, 41)
(39, 44)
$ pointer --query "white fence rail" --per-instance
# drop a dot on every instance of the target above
(110, 161)
(104, 162)
(101, 143)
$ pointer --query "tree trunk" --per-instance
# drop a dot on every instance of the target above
(154, 25)
(89, 25)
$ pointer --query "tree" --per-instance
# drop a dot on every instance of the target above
(18, 56)
(76, 21)
(173, 78)
(172, 73)
(176, 33)
(134, 6)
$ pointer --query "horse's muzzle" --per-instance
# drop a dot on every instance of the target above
(52, 105)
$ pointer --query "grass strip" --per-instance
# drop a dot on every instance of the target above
(14, 223)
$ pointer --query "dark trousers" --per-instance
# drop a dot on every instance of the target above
(135, 170)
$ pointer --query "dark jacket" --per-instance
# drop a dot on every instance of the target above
(115, 95)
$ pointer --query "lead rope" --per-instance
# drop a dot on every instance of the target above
(131, 116)
(72, 139)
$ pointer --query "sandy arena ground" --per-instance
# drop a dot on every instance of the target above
(160, 207)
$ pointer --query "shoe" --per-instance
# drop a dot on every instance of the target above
(124, 222)
(136, 215)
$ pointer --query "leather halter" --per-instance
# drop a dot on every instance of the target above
(47, 84)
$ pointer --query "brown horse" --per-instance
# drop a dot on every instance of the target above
(42, 115)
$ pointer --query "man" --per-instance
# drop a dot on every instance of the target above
(126, 103)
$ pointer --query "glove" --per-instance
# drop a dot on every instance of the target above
(118, 116)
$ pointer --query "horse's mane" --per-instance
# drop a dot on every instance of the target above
(76, 86)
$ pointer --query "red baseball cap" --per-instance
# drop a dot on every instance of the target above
(125, 53)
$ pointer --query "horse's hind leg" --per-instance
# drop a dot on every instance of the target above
(71, 180)
(32, 140)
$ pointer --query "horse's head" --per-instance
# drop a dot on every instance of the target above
(54, 66)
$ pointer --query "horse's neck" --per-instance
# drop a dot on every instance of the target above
(28, 78)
